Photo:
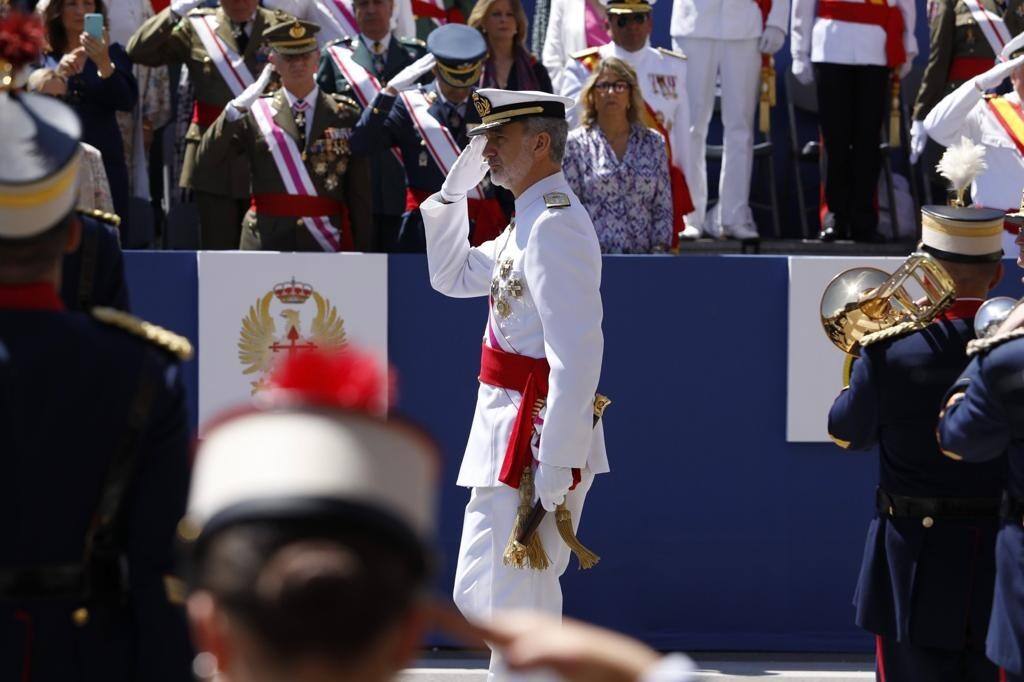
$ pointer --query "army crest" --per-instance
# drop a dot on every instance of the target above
(260, 344)
(297, 30)
(482, 104)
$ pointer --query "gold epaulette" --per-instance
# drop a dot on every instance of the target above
(583, 54)
(672, 53)
(982, 346)
(176, 345)
(346, 101)
(412, 41)
(556, 200)
(109, 218)
(893, 332)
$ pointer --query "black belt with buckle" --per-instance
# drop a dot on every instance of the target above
(902, 506)
(1012, 509)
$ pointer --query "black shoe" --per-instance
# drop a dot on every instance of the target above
(828, 234)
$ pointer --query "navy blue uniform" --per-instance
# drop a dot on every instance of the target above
(926, 579)
(76, 396)
(389, 185)
(94, 274)
(387, 123)
(986, 425)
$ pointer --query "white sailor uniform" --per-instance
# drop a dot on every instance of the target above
(543, 278)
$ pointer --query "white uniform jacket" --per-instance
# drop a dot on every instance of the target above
(662, 76)
(843, 42)
(554, 258)
(725, 19)
(566, 33)
(964, 113)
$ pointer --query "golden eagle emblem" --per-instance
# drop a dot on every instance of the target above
(259, 343)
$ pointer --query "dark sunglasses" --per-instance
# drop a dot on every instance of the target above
(623, 20)
(606, 87)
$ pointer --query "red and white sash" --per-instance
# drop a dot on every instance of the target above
(364, 84)
(340, 11)
(229, 63)
(992, 26)
(438, 138)
(293, 172)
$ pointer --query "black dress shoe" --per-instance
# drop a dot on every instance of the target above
(828, 234)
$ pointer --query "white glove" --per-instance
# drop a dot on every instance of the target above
(252, 93)
(771, 40)
(407, 78)
(551, 484)
(905, 68)
(803, 71)
(467, 171)
(918, 139)
(183, 7)
(997, 74)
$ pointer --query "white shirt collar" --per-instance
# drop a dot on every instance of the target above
(385, 41)
(627, 56)
(538, 189)
(309, 99)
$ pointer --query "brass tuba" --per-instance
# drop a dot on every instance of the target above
(861, 301)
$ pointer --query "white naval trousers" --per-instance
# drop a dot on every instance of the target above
(484, 584)
(739, 63)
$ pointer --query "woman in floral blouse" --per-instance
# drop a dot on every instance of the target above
(617, 166)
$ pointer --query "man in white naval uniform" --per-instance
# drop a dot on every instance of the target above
(856, 47)
(723, 41)
(662, 76)
(543, 331)
(994, 121)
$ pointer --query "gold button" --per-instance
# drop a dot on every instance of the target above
(80, 617)
(303, 156)
(187, 530)
(299, 222)
(927, 522)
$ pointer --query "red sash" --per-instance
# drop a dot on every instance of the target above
(205, 114)
(299, 206)
(488, 219)
(965, 68)
(529, 376)
(883, 15)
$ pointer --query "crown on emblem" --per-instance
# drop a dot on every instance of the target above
(297, 30)
(293, 292)
(482, 104)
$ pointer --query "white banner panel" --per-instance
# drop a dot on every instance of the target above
(815, 365)
(257, 307)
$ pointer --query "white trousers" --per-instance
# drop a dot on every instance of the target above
(484, 584)
(739, 63)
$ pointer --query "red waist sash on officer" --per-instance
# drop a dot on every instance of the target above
(889, 18)
(488, 219)
(205, 114)
(528, 376)
(965, 68)
(280, 205)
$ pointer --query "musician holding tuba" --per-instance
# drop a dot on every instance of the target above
(926, 580)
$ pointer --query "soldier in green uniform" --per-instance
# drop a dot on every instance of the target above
(375, 54)
(206, 40)
(308, 193)
(960, 47)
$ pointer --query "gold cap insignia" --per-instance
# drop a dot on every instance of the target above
(482, 104)
(297, 30)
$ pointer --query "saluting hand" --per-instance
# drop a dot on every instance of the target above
(467, 171)
(407, 78)
(252, 93)
(997, 74)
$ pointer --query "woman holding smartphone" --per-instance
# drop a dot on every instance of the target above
(97, 82)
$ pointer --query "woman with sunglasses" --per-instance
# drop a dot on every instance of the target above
(618, 166)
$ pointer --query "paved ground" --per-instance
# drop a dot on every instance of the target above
(716, 667)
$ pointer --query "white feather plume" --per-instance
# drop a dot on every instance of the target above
(961, 163)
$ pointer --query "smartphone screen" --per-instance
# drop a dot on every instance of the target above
(94, 25)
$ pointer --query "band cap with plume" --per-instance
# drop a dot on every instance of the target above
(316, 448)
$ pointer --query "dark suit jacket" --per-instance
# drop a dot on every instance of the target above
(94, 274)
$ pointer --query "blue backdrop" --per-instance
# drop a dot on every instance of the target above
(715, 533)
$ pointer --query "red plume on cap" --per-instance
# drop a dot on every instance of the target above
(347, 378)
(21, 39)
